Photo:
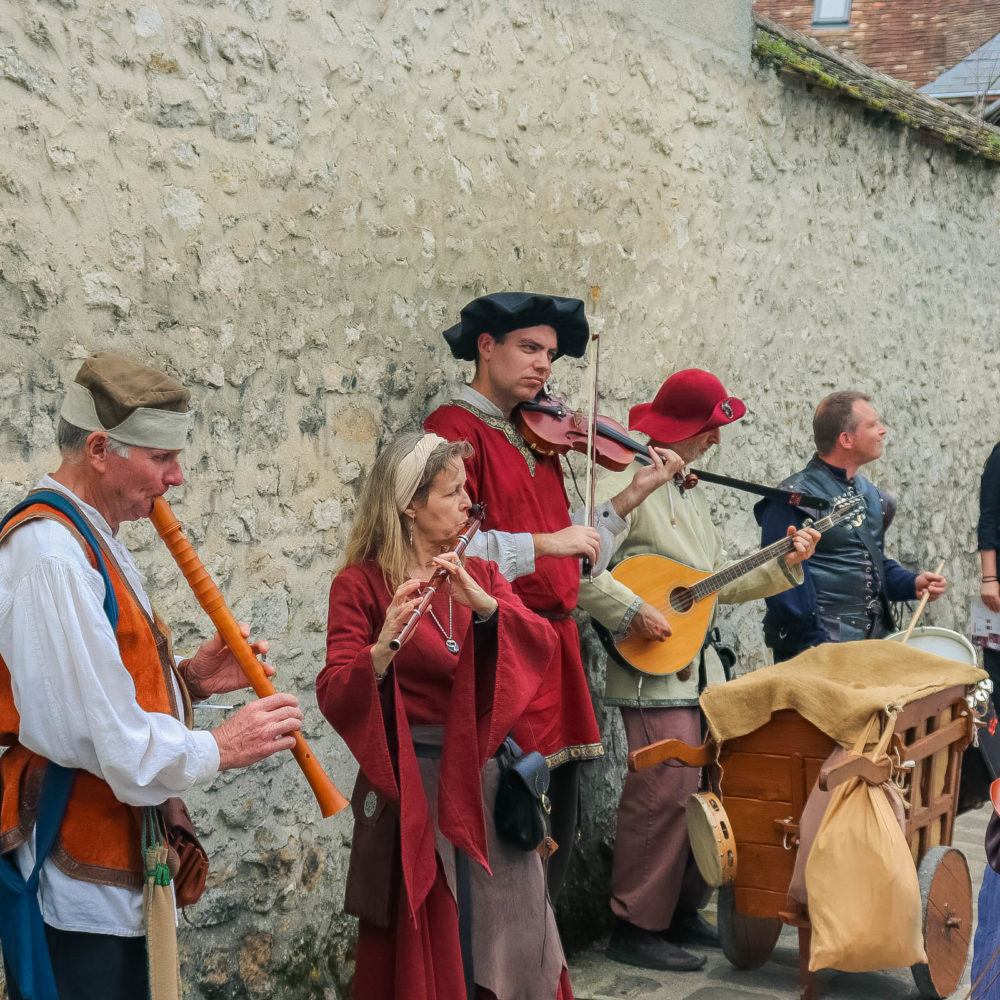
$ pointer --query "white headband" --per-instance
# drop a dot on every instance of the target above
(410, 470)
(144, 427)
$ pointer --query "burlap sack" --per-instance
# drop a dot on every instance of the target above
(812, 818)
(161, 927)
(864, 898)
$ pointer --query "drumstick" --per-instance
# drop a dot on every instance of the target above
(920, 606)
(329, 798)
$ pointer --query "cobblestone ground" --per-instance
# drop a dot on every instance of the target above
(596, 977)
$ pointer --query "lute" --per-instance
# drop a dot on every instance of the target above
(686, 597)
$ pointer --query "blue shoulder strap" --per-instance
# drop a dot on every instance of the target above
(58, 502)
(22, 931)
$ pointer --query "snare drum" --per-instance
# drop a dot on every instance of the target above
(711, 836)
(940, 642)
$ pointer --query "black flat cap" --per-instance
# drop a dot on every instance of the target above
(505, 311)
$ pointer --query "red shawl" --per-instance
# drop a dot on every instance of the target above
(476, 695)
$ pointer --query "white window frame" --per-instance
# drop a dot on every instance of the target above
(827, 13)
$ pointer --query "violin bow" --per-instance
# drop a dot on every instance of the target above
(591, 482)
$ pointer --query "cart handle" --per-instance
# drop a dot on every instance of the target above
(670, 749)
(831, 775)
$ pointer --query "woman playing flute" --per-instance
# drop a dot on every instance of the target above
(446, 909)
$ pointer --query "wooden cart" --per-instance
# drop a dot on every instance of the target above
(766, 777)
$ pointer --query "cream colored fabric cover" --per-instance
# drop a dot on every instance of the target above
(838, 687)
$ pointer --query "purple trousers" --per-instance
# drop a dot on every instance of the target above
(654, 873)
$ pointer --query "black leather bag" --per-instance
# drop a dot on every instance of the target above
(522, 807)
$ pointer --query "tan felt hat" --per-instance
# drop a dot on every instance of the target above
(132, 402)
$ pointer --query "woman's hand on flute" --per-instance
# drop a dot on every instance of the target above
(214, 669)
(402, 605)
(464, 589)
(257, 730)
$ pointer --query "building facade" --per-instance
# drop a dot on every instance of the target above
(912, 40)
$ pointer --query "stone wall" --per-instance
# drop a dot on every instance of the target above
(284, 202)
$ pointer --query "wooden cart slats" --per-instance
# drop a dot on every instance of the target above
(784, 730)
(753, 820)
(763, 866)
(764, 779)
(931, 704)
(763, 776)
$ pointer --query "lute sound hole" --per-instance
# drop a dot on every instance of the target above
(681, 600)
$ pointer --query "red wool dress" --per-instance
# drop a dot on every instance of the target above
(408, 937)
(524, 491)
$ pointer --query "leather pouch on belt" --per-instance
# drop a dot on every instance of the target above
(375, 870)
(189, 862)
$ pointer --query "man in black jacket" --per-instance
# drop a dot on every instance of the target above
(849, 581)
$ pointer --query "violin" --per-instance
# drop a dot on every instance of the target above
(549, 427)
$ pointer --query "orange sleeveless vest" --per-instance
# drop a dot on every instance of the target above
(99, 837)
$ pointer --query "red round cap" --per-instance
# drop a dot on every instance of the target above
(688, 403)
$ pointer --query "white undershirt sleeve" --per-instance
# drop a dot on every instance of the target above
(74, 695)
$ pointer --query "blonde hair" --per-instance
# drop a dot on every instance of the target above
(380, 533)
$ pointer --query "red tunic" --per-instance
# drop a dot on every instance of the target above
(524, 491)
(476, 696)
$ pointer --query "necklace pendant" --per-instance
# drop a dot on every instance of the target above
(451, 645)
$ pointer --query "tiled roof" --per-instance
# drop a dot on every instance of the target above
(796, 55)
(912, 40)
(977, 74)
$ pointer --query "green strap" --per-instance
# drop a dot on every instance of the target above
(157, 873)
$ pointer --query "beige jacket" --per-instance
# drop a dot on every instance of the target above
(695, 541)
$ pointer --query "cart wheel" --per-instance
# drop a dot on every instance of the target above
(746, 941)
(946, 894)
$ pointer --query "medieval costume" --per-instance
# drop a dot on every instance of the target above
(985, 974)
(654, 874)
(655, 883)
(106, 702)
(988, 538)
(424, 736)
(524, 494)
(849, 582)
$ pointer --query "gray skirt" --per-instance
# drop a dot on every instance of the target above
(516, 951)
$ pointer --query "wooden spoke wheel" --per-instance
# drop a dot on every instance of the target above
(747, 942)
(946, 894)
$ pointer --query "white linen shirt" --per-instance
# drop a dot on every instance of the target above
(77, 701)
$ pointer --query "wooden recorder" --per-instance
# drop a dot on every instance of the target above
(209, 597)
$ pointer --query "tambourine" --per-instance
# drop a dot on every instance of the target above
(711, 836)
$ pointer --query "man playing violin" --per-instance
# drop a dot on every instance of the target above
(849, 585)
(513, 338)
(656, 889)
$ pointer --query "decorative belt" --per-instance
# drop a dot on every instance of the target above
(871, 608)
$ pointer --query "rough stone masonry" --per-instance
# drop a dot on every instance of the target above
(284, 202)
